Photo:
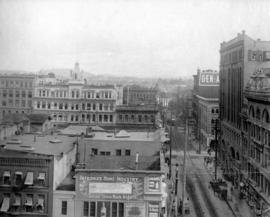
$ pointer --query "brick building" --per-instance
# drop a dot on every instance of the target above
(239, 59)
(16, 93)
(31, 167)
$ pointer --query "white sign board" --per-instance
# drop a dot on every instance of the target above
(110, 188)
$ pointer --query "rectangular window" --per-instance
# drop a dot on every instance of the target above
(121, 210)
(85, 208)
(94, 151)
(6, 178)
(10, 93)
(4, 93)
(100, 118)
(118, 152)
(23, 94)
(29, 94)
(111, 118)
(23, 103)
(92, 209)
(29, 103)
(127, 152)
(100, 107)
(64, 208)
(17, 93)
(114, 209)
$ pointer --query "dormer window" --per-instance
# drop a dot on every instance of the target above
(6, 178)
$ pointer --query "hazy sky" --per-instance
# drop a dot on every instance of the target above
(160, 38)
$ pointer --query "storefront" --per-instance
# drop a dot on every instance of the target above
(118, 194)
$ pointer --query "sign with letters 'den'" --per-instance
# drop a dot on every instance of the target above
(209, 79)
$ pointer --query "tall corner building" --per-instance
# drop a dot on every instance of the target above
(205, 106)
(239, 58)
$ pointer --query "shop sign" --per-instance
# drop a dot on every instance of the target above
(135, 210)
(154, 184)
(209, 79)
(153, 209)
(111, 187)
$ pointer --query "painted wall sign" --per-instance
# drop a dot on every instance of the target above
(111, 187)
(154, 184)
(208, 79)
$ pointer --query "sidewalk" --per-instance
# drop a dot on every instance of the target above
(239, 206)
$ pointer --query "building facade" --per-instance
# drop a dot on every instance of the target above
(139, 95)
(205, 106)
(142, 116)
(16, 93)
(76, 102)
(31, 168)
(239, 58)
(255, 160)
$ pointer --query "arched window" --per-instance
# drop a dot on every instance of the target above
(232, 153)
(265, 116)
(251, 112)
(258, 114)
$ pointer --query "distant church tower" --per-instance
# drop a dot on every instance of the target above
(76, 73)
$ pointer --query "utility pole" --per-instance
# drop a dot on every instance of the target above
(184, 168)
(216, 145)
(170, 168)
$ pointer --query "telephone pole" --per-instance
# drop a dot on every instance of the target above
(184, 168)
(170, 168)
(216, 146)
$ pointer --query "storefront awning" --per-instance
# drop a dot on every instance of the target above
(5, 204)
(29, 201)
(41, 176)
(17, 201)
(29, 178)
(18, 173)
(6, 174)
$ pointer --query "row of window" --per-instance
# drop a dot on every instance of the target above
(19, 178)
(20, 202)
(17, 103)
(16, 93)
(75, 94)
(16, 84)
(264, 115)
(83, 106)
(98, 208)
(139, 118)
(118, 152)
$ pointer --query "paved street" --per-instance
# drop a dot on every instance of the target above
(203, 202)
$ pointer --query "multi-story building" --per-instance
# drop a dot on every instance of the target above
(255, 162)
(76, 102)
(16, 93)
(205, 106)
(239, 58)
(139, 95)
(31, 167)
(141, 116)
(116, 171)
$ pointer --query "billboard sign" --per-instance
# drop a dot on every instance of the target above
(116, 187)
(208, 78)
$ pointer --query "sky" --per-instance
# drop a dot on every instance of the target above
(143, 38)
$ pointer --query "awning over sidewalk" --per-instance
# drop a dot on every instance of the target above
(5, 204)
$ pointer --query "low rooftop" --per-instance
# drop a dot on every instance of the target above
(35, 143)
(100, 134)
(124, 163)
(68, 184)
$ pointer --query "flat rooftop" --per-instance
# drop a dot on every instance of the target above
(35, 143)
(101, 134)
(123, 163)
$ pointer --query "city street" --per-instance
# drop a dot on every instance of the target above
(203, 202)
